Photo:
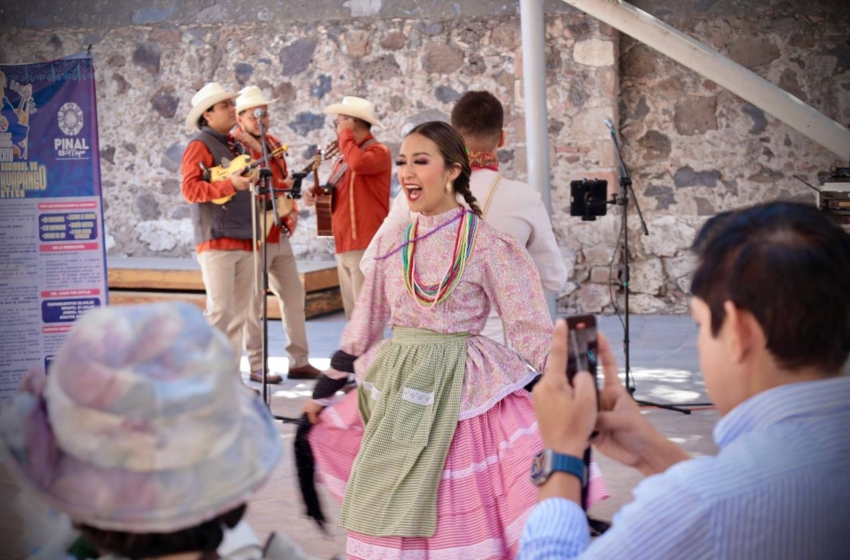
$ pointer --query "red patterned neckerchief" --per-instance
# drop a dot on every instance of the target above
(483, 160)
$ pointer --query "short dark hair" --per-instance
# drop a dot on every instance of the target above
(788, 264)
(479, 115)
(206, 537)
(202, 122)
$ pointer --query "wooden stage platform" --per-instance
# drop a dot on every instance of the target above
(143, 279)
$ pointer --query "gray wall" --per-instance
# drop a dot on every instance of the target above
(693, 148)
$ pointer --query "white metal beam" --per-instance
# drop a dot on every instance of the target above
(721, 70)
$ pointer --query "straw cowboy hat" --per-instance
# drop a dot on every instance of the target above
(141, 425)
(355, 107)
(202, 101)
(249, 98)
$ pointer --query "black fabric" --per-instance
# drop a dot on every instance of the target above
(342, 361)
(327, 387)
(305, 465)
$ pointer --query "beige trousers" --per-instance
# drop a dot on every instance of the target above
(228, 277)
(350, 278)
(285, 283)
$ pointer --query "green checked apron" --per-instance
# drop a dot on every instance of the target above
(409, 402)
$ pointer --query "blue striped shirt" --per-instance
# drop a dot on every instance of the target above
(778, 488)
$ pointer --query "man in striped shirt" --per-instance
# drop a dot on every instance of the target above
(773, 310)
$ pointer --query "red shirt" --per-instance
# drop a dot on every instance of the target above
(362, 196)
(195, 189)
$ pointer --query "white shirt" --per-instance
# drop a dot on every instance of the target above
(516, 209)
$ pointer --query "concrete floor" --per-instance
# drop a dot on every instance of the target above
(664, 368)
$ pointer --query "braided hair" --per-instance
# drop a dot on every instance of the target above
(453, 150)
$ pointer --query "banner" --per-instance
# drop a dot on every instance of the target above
(52, 254)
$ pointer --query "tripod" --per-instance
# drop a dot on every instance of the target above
(622, 199)
(265, 188)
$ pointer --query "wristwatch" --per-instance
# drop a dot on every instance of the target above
(547, 461)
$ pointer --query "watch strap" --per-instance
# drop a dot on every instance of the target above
(571, 465)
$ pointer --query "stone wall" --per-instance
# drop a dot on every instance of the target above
(693, 148)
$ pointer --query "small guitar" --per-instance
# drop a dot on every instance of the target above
(237, 166)
(324, 195)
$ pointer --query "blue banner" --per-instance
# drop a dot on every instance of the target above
(52, 251)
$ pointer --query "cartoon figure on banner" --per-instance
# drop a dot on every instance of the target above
(14, 121)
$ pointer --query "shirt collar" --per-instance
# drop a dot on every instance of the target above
(771, 407)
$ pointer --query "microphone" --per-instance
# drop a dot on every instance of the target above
(259, 112)
(610, 125)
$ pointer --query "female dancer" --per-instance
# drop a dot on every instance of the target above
(432, 453)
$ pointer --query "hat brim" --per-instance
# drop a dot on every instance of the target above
(351, 111)
(240, 108)
(150, 502)
(200, 108)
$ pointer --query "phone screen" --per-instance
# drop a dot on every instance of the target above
(582, 356)
(581, 345)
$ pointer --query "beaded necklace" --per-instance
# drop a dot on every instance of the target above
(429, 295)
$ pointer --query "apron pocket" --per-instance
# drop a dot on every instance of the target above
(412, 417)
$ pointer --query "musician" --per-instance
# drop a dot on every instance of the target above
(280, 259)
(361, 190)
(223, 233)
(510, 206)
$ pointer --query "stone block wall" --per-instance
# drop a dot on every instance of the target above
(693, 148)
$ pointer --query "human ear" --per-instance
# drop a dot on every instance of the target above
(453, 172)
(743, 332)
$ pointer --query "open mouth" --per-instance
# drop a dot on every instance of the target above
(413, 192)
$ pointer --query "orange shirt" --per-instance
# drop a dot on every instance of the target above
(279, 175)
(195, 189)
(362, 196)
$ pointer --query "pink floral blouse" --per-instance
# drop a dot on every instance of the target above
(499, 273)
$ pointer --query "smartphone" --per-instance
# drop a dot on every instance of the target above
(582, 356)
(581, 345)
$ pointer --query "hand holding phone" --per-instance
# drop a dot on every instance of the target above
(581, 356)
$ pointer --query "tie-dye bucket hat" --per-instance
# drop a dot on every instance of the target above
(140, 424)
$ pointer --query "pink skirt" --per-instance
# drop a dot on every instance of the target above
(485, 495)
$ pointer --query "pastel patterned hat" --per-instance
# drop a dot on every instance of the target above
(140, 424)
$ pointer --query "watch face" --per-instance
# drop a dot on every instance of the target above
(540, 468)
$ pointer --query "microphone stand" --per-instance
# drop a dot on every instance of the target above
(623, 200)
(265, 186)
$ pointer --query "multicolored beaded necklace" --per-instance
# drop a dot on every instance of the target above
(429, 295)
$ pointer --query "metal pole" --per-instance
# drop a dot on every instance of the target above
(536, 114)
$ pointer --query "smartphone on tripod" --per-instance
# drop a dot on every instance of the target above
(582, 346)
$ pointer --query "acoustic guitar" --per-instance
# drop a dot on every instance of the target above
(231, 168)
(324, 194)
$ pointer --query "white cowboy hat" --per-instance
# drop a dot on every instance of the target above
(249, 98)
(355, 107)
(202, 101)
